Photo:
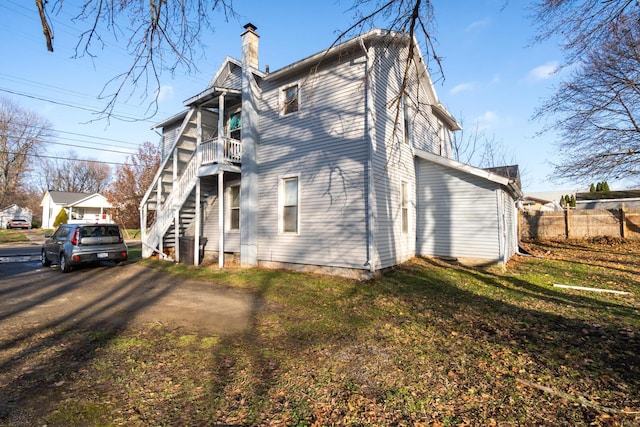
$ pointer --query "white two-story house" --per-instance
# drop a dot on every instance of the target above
(326, 163)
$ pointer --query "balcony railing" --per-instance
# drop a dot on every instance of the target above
(221, 150)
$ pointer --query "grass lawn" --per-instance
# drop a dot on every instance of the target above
(427, 343)
(12, 236)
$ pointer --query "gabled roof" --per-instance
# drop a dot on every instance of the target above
(359, 43)
(510, 172)
(225, 69)
(66, 197)
(83, 201)
(510, 184)
(226, 80)
(176, 118)
(7, 208)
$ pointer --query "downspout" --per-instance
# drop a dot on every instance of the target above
(367, 103)
(502, 250)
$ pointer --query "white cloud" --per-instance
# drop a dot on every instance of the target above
(478, 25)
(543, 72)
(486, 120)
(165, 92)
(462, 87)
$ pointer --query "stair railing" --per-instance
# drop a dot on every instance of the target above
(173, 202)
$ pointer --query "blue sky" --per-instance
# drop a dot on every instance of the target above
(494, 77)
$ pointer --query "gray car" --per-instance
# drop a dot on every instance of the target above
(74, 244)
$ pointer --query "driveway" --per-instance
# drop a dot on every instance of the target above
(34, 295)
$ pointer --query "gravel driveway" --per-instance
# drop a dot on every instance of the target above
(132, 294)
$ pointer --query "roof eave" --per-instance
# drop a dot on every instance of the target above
(443, 114)
(330, 52)
(472, 170)
(209, 94)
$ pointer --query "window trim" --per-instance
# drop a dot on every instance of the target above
(281, 198)
(230, 208)
(405, 212)
(407, 124)
(283, 99)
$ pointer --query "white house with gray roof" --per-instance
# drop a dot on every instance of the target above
(80, 207)
(321, 164)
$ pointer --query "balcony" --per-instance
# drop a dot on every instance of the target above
(220, 150)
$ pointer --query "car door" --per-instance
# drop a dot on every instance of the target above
(53, 246)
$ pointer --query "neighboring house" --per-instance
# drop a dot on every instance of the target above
(14, 211)
(80, 207)
(321, 164)
(545, 200)
(608, 200)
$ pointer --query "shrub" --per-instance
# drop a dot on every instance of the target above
(61, 218)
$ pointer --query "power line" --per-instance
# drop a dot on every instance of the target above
(69, 92)
(46, 141)
(61, 158)
(64, 104)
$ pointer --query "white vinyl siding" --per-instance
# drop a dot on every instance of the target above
(233, 79)
(210, 228)
(392, 164)
(458, 214)
(324, 142)
(511, 225)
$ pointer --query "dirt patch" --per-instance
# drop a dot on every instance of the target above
(129, 295)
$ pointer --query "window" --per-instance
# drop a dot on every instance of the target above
(234, 207)
(405, 121)
(404, 204)
(235, 125)
(407, 138)
(290, 205)
(291, 99)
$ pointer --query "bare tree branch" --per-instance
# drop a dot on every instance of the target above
(166, 38)
(22, 133)
(582, 23)
(596, 112)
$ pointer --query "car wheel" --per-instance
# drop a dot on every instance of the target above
(64, 264)
(43, 258)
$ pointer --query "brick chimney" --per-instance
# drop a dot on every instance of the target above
(250, 46)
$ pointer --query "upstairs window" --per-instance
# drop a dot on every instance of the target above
(406, 128)
(235, 125)
(407, 137)
(291, 99)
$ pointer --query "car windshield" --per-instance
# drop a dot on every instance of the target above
(19, 220)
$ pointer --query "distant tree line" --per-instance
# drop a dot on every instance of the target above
(567, 201)
(599, 187)
(27, 172)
